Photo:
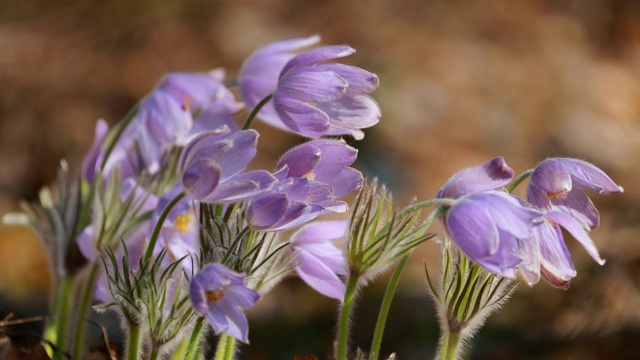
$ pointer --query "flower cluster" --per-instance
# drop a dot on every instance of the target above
(504, 233)
(181, 151)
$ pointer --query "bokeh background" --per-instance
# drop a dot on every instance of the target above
(461, 82)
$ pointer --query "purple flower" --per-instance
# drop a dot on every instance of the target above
(319, 261)
(167, 116)
(559, 183)
(314, 98)
(487, 227)
(491, 175)
(259, 74)
(557, 188)
(212, 163)
(311, 176)
(219, 294)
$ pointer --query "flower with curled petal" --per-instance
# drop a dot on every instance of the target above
(220, 295)
(212, 164)
(557, 188)
(559, 183)
(310, 178)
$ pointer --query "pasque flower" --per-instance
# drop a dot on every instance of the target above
(166, 116)
(259, 74)
(559, 183)
(314, 98)
(487, 224)
(220, 295)
(310, 178)
(318, 260)
(557, 188)
(212, 164)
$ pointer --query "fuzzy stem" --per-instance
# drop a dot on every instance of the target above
(134, 343)
(83, 309)
(518, 180)
(449, 345)
(155, 353)
(158, 227)
(62, 314)
(254, 112)
(194, 341)
(345, 314)
(384, 308)
(226, 347)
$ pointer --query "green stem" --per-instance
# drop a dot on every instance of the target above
(449, 345)
(134, 344)
(345, 314)
(226, 347)
(427, 203)
(254, 112)
(194, 341)
(63, 314)
(155, 352)
(83, 309)
(158, 227)
(384, 308)
(518, 180)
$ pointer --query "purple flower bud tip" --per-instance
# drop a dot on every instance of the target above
(491, 175)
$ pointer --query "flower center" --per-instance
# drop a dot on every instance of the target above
(184, 223)
(560, 195)
(213, 295)
(311, 175)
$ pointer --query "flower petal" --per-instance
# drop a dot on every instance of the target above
(577, 231)
(491, 175)
(319, 276)
(305, 119)
(316, 55)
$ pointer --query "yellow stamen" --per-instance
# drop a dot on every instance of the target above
(184, 223)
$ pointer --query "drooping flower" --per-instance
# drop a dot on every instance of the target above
(314, 98)
(310, 178)
(559, 183)
(487, 227)
(491, 175)
(259, 74)
(212, 164)
(318, 260)
(219, 294)
(557, 189)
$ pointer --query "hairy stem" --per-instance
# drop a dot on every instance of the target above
(254, 112)
(345, 314)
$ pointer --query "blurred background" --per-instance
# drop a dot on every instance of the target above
(461, 82)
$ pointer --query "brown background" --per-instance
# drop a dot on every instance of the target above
(461, 82)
